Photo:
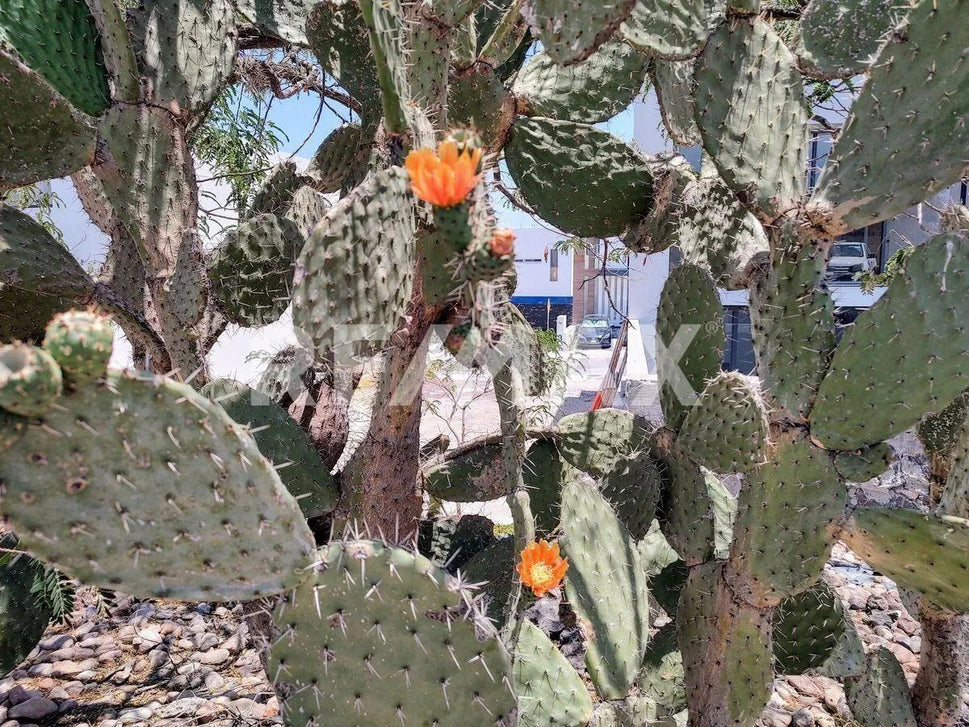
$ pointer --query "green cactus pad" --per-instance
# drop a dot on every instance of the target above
(752, 116)
(891, 156)
(437, 268)
(571, 30)
(661, 677)
(470, 473)
(955, 494)
(667, 585)
(696, 511)
(427, 62)
(841, 38)
(865, 464)
(282, 441)
(939, 432)
(689, 325)
(676, 94)
(334, 160)
(929, 555)
(80, 342)
(672, 30)
(589, 92)
(23, 615)
(43, 136)
(339, 38)
(377, 636)
(11, 427)
(792, 327)
(880, 696)
(543, 474)
(142, 485)
(251, 270)
(186, 50)
(450, 543)
(812, 629)
(633, 488)
(783, 533)
(549, 690)
(275, 194)
(494, 569)
(726, 650)
(616, 609)
(38, 277)
(594, 442)
(30, 380)
(726, 430)
(479, 100)
(386, 23)
(306, 209)
(660, 228)
(718, 233)
(59, 40)
(283, 19)
(355, 275)
(578, 178)
(918, 329)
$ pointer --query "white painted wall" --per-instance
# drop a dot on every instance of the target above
(534, 270)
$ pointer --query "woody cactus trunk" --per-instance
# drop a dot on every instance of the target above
(162, 483)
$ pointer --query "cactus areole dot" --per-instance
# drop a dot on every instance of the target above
(542, 568)
(445, 177)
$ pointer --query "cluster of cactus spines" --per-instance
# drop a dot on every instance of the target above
(201, 513)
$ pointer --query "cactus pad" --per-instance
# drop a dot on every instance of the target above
(671, 30)
(594, 442)
(283, 19)
(752, 116)
(43, 136)
(880, 695)
(581, 179)
(24, 616)
(783, 533)
(813, 629)
(282, 441)
(30, 380)
(917, 329)
(142, 485)
(903, 152)
(841, 38)
(726, 430)
(570, 30)
(377, 635)
(470, 473)
(275, 194)
(929, 555)
(549, 690)
(494, 569)
(660, 228)
(335, 158)
(792, 327)
(543, 474)
(661, 677)
(589, 92)
(718, 233)
(676, 94)
(633, 488)
(616, 608)
(689, 325)
(251, 270)
(355, 275)
(80, 342)
(726, 650)
(865, 464)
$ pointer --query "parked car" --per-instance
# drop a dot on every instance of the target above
(846, 260)
(594, 331)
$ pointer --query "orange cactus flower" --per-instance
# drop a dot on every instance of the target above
(541, 568)
(502, 242)
(445, 177)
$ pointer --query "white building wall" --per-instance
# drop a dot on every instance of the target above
(534, 266)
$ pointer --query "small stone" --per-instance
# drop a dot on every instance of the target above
(58, 693)
(72, 668)
(802, 718)
(205, 641)
(214, 657)
(53, 643)
(203, 608)
(18, 694)
(214, 681)
(34, 709)
(41, 670)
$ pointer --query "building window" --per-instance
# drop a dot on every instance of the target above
(818, 151)
(553, 265)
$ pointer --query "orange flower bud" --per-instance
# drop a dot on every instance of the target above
(502, 242)
(541, 568)
(445, 177)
